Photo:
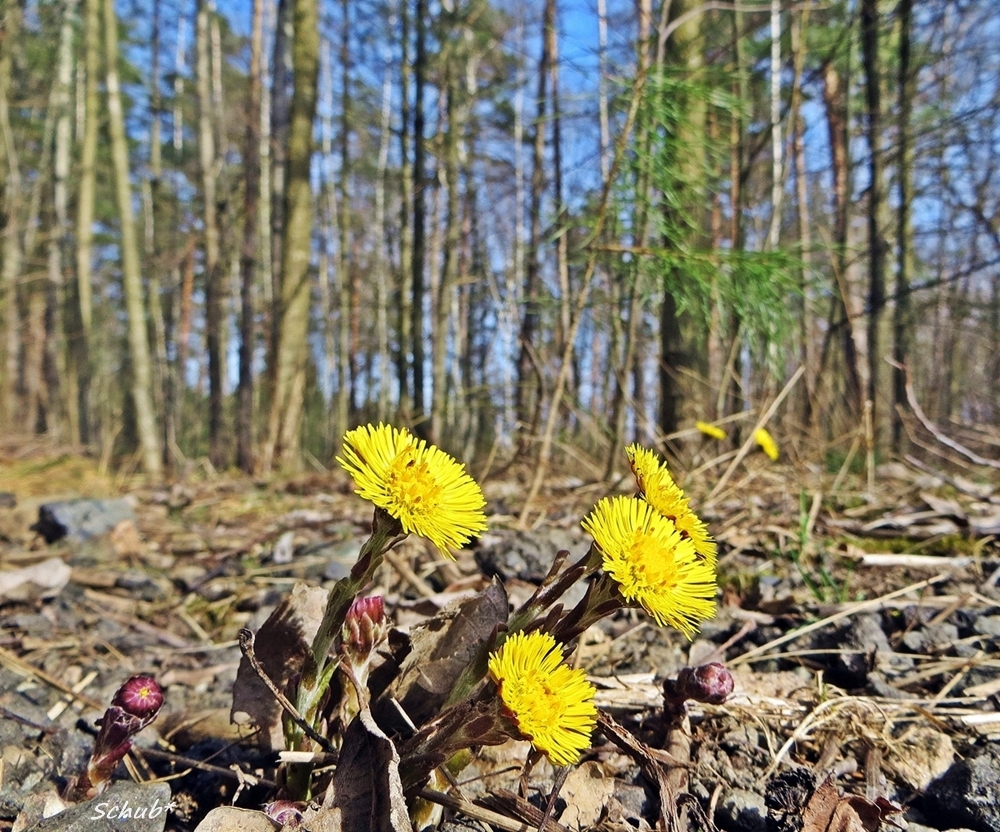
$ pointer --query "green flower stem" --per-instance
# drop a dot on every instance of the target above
(602, 599)
(386, 533)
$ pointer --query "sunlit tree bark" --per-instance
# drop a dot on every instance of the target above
(248, 246)
(139, 358)
(284, 420)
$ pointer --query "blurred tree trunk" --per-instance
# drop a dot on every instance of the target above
(345, 361)
(453, 54)
(213, 269)
(623, 339)
(876, 241)
(684, 51)
(248, 247)
(285, 417)
(405, 304)
(418, 254)
(842, 318)
(382, 260)
(10, 241)
(162, 371)
(528, 391)
(279, 106)
(902, 322)
(131, 269)
(60, 242)
(807, 326)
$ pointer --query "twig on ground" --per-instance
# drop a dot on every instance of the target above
(246, 647)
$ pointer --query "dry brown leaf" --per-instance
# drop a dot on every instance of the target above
(443, 646)
(587, 790)
(828, 811)
(368, 793)
(281, 646)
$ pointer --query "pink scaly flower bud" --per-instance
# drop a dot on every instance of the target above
(365, 628)
(710, 683)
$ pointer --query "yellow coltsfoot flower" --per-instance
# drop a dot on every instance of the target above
(659, 490)
(710, 430)
(767, 443)
(427, 491)
(552, 703)
(653, 564)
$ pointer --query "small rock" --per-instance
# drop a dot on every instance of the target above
(141, 585)
(125, 807)
(742, 811)
(231, 819)
(968, 793)
(920, 756)
(7, 500)
(522, 554)
(987, 625)
(79, 520)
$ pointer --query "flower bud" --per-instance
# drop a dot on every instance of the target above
(365, 628)
(710, 683)
(286, 812)
(140, 696)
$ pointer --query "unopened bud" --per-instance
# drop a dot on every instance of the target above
(710, 683)
(286, 812)
(365, 627)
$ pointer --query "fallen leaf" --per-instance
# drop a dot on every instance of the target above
(368, 792)
(587, 791)
(828, 811)
(281, 645)
(443, 646)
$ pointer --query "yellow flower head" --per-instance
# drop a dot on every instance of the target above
(653, 563)
(552, 704)
(662, 493)
(426, 490)
(710, 430)
(767, 443)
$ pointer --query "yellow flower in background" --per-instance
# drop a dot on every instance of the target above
(767, 443)
(710, 430)
(662, 493)
(653, 563)
(552, 704)
(420, 485)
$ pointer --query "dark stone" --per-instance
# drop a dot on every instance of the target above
(524, 555)
(79, 520)
(7, 500)
(968, 793)
(741, 811)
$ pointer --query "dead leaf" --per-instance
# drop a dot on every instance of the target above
(443, 646)
(587, 791)
(368, 792)
(282, 645)
(828, 811)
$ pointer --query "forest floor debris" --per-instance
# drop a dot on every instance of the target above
(863, 633)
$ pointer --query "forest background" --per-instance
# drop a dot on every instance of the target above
(530, 230)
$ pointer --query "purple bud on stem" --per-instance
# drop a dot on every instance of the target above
(710, 683)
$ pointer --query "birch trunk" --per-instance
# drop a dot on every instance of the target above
(141, 381)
